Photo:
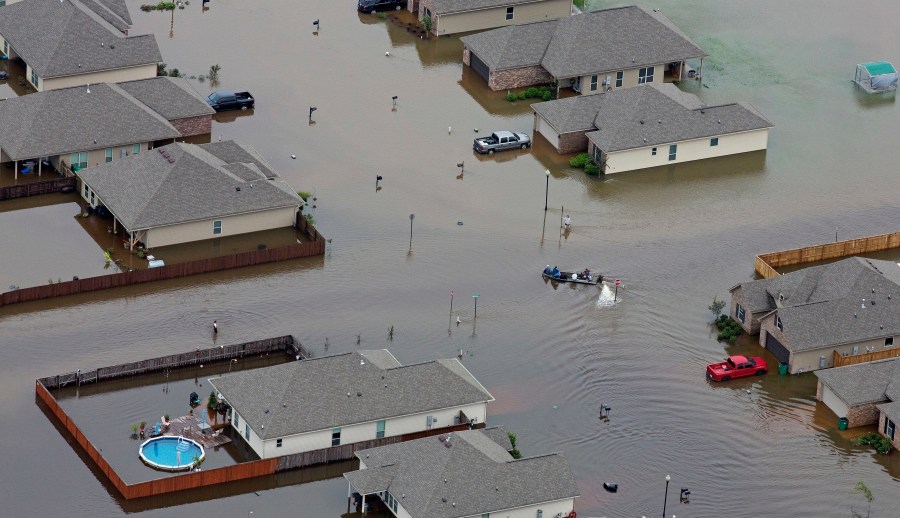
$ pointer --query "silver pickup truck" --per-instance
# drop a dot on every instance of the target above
(501, 140)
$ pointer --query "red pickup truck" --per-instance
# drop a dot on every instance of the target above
(736, 367)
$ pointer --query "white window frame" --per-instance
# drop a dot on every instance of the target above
(594, 79)
(217, 227)
(510, 13)
(645, 75)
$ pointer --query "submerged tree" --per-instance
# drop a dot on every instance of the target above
(716, 307)
(861, 487)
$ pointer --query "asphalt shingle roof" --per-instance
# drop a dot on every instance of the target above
(59, 122)
(660, 113)
(115, 12)
(171, 97)
(457, 6)
(62, 38)
(891, 410)
(311, 395)
(591, 43)
(179, 183)
(461, 474)
(863, 383)
(834, 304)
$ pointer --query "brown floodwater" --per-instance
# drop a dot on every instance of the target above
(676, 236)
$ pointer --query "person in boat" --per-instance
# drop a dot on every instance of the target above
(548, 270)
(586, 274)
(555, 272)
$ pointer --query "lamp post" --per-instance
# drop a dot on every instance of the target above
(546, 189)
(476, 297)
(666, 496)
(411, 218)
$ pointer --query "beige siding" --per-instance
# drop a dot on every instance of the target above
(367, 431)
(106, 76)
(231, 225)
(833, 402)
(543, 127)
(699, 149)
(549, 510)
(496, 17)
(809, 360)
(629, 79)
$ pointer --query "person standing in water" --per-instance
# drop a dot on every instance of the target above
(215, 327)
(567, 222)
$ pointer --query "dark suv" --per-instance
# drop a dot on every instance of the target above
(371, 6)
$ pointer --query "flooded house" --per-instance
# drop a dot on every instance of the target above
(72, 129)
(334, 405)
(649, 126)
(463, 474)
(68, 43)
(864, 394)
(589, 53)
(813, 318)
(180, 193)
(455, 16)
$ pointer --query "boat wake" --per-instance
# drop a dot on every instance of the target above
(607, 298)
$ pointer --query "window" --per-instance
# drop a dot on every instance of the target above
(889, 341)
(540, 513)
(379, 430)
(778, 323)
(278, 443)
(35, 80)
(247, 431)
(619, 76)
(336, 437)
(509, 13)
(135, 149)
(486, 515)
(108, 154)
(5, 43)
(593, 83)
(217, 227)
(79, 160)
(237, 420)
(429, 421)
(739, 312)
(92, 198)
(889, 427)
(714, 142)
(645, 75)
(673, 150)
(85, 191)
(653, 152)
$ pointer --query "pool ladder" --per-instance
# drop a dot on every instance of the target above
(183, 445)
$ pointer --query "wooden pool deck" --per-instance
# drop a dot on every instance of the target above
(191, 426)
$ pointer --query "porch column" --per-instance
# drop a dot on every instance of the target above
(16, 175)
(681, 70)
(40, 164)
(363, 504)
(114, 226)
(131, 242)
(700, 71)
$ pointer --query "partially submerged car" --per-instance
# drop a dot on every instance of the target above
(736, 367)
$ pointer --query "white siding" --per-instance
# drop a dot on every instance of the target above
(833, 402)
(689, 150)
(483, 19)
(543, 127)
(103, 76)
(254, 441)
(231, 225)
(550, 510)
(367, 431)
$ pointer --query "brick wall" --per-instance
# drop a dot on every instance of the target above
(574, 142)
(862, 415)
(896, 440)
(751, 321)
(429, 5)
(518, 78)
(190, 126)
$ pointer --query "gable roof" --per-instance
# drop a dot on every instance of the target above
(591, 43)
(660, 113)
(58, 122)
(171, 97)
(458, 6)
(891, 410)
(62, 38)
(312, 394)
(461, 474)
(181, 182)
(863, 383)
(115, 12)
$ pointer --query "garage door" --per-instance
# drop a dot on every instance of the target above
(778, 350)
(833, 402)
(479, 66)
(547, 131)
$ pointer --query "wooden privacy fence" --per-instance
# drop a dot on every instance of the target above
(174, 361)
(765, 264)
(170, 271)
(840, 361)
(11, 192)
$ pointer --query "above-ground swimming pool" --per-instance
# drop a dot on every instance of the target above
(170, 453)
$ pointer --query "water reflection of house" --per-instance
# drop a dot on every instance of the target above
(464, 474)
(864, 394)
(455, 16)
(590, 53)
(813, 317)
(68, 43)
(349, 399)
(649, 126)
(182, 193)
(85, 126)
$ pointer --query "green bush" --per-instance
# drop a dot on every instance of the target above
(546, 96)
(532, 92)
(303, 194)
(728, 328)
(511, 96)
(592, 169)
(881, 444)
(523, 95)
(426, 21)
(516, 454)
(580, 160)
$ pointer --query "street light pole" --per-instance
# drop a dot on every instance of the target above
(546, 189)
(666, 496)
(476, 296)
(411, 218)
